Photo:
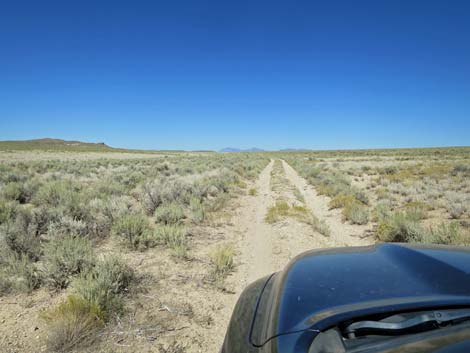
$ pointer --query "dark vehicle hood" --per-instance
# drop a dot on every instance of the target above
(319, 289)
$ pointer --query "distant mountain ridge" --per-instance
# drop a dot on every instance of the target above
(234, 149)
(54, 145)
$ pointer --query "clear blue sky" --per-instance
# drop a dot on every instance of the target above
(210, 74)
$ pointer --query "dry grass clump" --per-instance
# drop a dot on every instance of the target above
(223, 263)
(281, 209)
(173, 236)
(340, 201)
(72, 323)
(222, 259)
(277, 212)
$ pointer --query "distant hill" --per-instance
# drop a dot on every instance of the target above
(233, 149)
(51, 144)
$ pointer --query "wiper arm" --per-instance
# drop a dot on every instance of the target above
(432, 318)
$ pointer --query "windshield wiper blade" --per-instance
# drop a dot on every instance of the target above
(421, 320)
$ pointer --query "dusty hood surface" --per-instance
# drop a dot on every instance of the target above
(319, 289)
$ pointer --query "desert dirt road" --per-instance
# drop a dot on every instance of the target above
(263, 248)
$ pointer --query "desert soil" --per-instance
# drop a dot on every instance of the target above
(180, 310)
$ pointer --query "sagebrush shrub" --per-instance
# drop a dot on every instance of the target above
(43, 216)
(320, 226)
(50, 193)
(400, 227)
(21, 236)
(356, 213)
(381, 211)
(163, 191)
(171, 213)
(6, 284)
(18, 191)
(131, 228)
(416, 210)
(67, 226)
(197, 213)
(64, 195)
(7, 211)
(105, 285)
(217, 203)
(66, 257)
(150, 197)
(24, 274)
(445, 233)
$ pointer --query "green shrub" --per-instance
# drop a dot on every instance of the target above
(417, 210)
(400, 227)
(63, 195)
(445, 234)
(66, 257)
(7, 211)
(150, 197)
(163, 191)
(103, 213)
(218, 202)
(24, 275)
(356, 213)
(6, 284)
(50, 194)
(43, 216)
(17, 191)
(197, 213)
(131, 228)
(105, 285)
(173, 236)
(253, 192)
(72, 323)
(67, 226)
(320, 226)
(381, 211)
(21, 237)
(169, 213)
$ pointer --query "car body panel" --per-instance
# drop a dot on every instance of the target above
(321, 288)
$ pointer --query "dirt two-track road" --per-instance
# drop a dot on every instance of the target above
(264, 248)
